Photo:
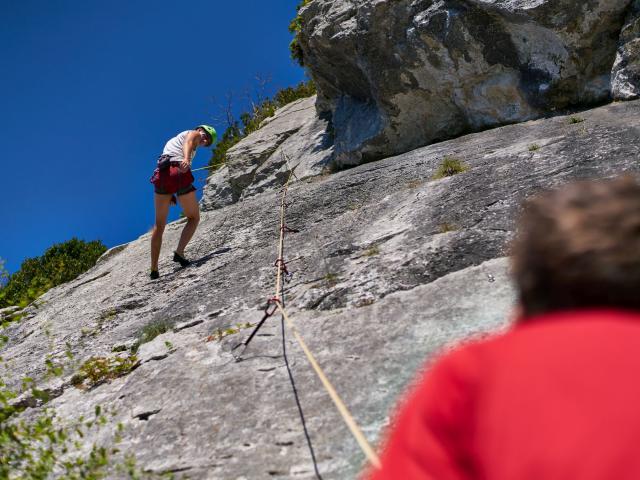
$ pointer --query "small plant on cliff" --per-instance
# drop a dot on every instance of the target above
(447, 227)
(98, 370)
(108, 314)
(450, 166)
(331, 279)
(105, 317)
(574, 120)
(220, 333)
(372, 251)
(533, 147)
(152, 329)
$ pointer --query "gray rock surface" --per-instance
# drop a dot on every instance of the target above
(398, 74)
(625, 78)
(389, 267)
(259, 163)
(111, 252)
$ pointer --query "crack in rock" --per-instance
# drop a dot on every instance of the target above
(144, 416)
(185, 325)
(284, 444)
(92, 279)
(156, 358)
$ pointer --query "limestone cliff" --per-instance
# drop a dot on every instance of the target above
(389, 266)
(391, 262)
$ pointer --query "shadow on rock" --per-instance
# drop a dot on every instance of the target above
(202, 260)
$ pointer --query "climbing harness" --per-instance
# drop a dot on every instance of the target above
(276, 304)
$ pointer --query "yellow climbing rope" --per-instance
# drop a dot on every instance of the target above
(344, 411)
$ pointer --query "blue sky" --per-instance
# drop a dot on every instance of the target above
(91, 90)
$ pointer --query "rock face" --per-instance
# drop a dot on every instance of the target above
(398, 74)
(389, 266)
(625, 80)
(254, 165)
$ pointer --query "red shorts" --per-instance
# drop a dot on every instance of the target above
(172, 180)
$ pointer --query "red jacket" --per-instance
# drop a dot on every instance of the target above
(556, 397)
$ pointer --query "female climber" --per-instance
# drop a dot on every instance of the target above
(173, 178)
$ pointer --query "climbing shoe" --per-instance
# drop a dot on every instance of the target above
(181, 260)
(154, 275)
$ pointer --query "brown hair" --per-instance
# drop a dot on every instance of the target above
(579, 246)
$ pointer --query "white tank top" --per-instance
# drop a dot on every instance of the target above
(174, 147)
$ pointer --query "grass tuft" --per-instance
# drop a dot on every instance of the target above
(371, 251)
(152, 329)
(447, 227)
(331, 279)
(450, 166)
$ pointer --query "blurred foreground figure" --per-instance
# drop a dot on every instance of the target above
(558, 395)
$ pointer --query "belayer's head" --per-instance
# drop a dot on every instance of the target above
(208, 133)
(579, 247)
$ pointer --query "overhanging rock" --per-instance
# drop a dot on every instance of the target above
(625, 78)
(398, 74)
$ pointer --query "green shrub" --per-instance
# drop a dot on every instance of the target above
(295, 27)
(450, 166)
(290, 94)
(249, 122)
(60, 263)
(573, 120)
(533, 147)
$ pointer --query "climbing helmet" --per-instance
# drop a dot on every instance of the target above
(210, 131)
